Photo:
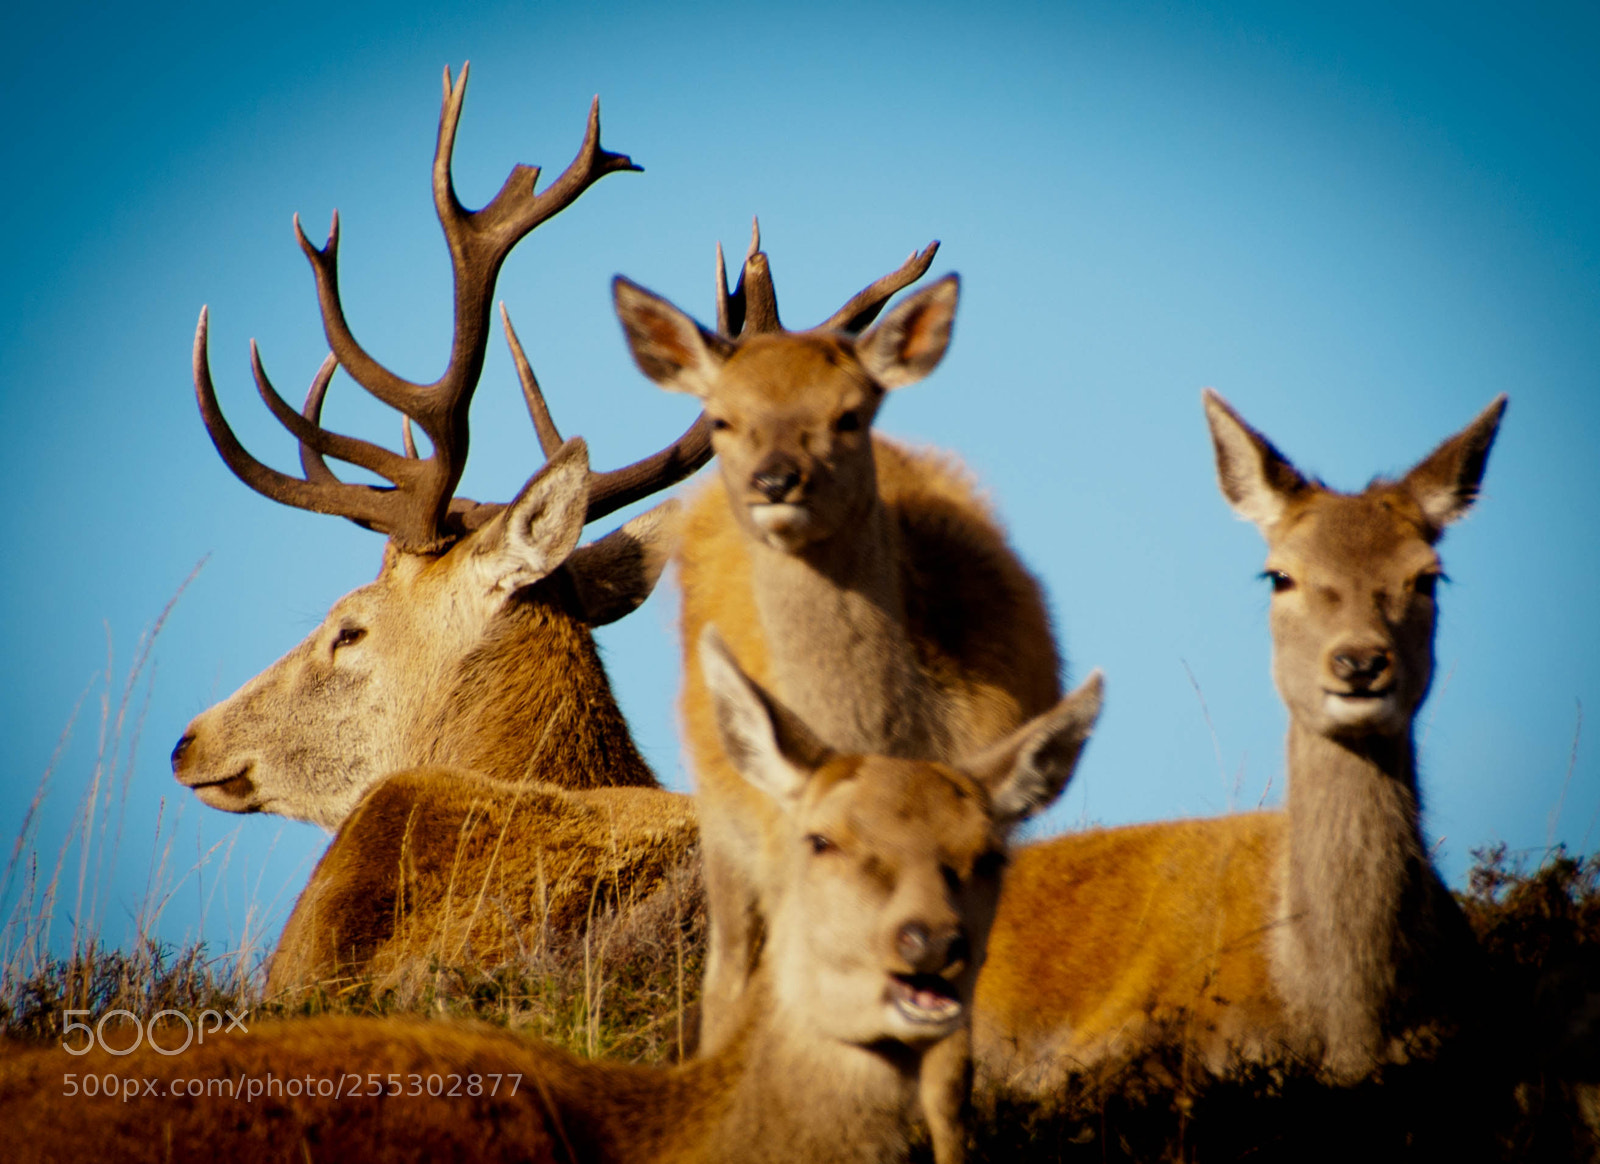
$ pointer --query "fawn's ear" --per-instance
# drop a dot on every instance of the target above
(669, 347)
(912, 338)
(1255, 477)
(1445, 483)
(1027, 770)
(613, 575)
(766, 743)
(539, 529)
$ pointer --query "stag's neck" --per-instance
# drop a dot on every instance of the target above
(1356, 887)
(533, 703)
(834, 619)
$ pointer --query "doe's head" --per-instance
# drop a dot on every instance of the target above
(888, 870)
(1354, 575)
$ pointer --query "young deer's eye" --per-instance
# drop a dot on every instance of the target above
(1428, 584)
(1280, 581)
(848, 422)
(819, 843)
(348, 635)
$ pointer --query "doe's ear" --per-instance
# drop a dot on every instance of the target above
(538, 530)
(1445, 483)
(669, 347)
(912, 339)
(764, 741)
(1027, 770)
(1257, 480)
(614, 575)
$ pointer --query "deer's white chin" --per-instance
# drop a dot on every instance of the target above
(783, 527)
(1367, 712)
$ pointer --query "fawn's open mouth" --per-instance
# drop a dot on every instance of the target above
(925, 999)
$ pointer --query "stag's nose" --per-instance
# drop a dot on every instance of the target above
(1360, 668)
(774, 484)
(930, 953)
(180, 748)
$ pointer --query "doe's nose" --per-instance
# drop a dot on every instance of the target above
(180, 748)
(1360, 668)
(930, 953)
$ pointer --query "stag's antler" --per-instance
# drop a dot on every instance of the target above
(419, 513)
(752, 306)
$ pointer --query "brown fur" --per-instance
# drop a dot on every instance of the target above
(827, 1066)
(1321, 931)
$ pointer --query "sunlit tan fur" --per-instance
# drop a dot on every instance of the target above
(880, 900)
(1321, 931)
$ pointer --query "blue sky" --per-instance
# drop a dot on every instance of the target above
(1359, 224)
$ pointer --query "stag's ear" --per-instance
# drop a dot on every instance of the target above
(765, 742)
(669, 347)
(1258, 480)
(614, 575)
(1446, 481)
(537, 531)
(912, 338)
(1027, 770)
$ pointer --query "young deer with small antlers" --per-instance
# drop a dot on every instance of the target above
(881, 891)
(1322, 930)
(460, 694)
(867, 586)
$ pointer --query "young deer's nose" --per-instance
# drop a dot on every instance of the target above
(928, 953)
(774, 483)
(180, 748)
(1360, 668)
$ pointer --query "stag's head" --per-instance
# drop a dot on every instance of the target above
(791, 412)
(889, 872)
(1354, 575)
(380, 684)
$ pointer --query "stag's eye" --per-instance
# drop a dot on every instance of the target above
(1280, 581)
(719, 425)
(348, 636)
(1428, 584)
(848, 422)
(819, 843)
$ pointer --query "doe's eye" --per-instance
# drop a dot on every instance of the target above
(1280, 581)
(1427, 584)
(819, 843)
(848, 421)
(349, 635)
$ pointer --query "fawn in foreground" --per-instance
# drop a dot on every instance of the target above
(459, 698)
(1321, 931)
(880, 901)
(865, 585)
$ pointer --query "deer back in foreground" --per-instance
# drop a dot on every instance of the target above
(881, 899)
(468, 664)
(1322, 930)
(867, 586)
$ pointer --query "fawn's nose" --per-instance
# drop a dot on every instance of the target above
(180, 748)
(930, 953)
(1360, 667)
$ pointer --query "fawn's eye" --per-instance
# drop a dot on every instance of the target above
(848, 421)
(819, 843)
(1280, 581)
(349, 635)
(1428, 584)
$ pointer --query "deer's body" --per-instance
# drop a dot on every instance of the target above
(881, 900)
(1321, 931)
(867, 586)
(458, 699)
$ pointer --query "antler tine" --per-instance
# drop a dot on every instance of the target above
(727, 325)
(311, 462)
(358, 502)
(611, 490)
(757, 297)
(543, 424)
(479, 242)
(865, 304)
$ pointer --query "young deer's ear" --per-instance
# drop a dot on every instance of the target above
(669, 347)
(537, 531)
(765, 742)
(1027, 770)
(912, 338)
(1258, 480)
(613, 575)
(1446, 482)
